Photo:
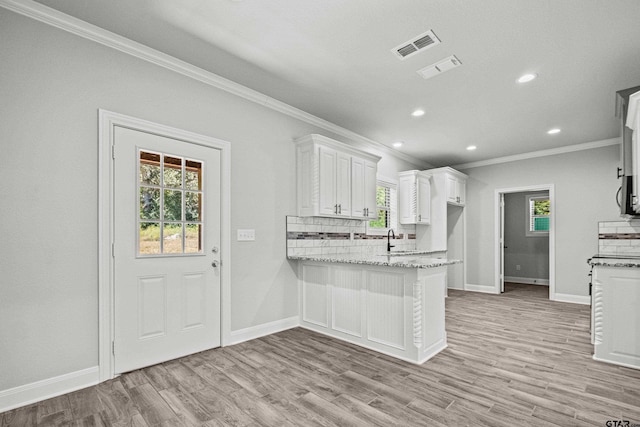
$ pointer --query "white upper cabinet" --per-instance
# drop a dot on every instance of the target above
(414, 197)
(363, 188)
(456, 188)
(334, 180)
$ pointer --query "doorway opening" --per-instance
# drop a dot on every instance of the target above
(525, 239)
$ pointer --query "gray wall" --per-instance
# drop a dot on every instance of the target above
(585, 187)
(52, 84)
(531, 253)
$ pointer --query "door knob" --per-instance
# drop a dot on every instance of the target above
(215, 263)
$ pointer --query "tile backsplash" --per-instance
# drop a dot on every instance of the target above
(329, 236)
(621, 238)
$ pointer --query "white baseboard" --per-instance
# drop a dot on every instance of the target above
(526, 280)
(575, 299)
(45, 389)
(258, 331)
(479, 288)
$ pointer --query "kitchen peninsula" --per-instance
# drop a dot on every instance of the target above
(393, 304)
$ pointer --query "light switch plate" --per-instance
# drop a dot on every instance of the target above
(246, 235)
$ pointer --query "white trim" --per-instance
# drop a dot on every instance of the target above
(526, 280)
(107, 121)
(552, 233)
(541, 153)
(45, 389)
(57, 19)
(480, 288)
(575, 299)
(253, 332)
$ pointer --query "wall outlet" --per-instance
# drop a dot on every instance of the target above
(517, 266)
(246, 235)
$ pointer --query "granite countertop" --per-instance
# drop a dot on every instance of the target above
(614, 261)
(412, 260)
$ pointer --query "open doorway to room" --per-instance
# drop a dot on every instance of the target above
(525, 242)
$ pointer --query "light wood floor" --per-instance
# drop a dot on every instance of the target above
(513, 360)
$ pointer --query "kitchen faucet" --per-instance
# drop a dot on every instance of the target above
(389, 245)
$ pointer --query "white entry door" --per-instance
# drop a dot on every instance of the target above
(166, 240)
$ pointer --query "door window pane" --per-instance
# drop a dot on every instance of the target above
(149, 168)
(193, 175)
(172, 172)
(149, 203)
(192, 206)
(193, 238)
(172, 238)
(172, 205)
(149, 235)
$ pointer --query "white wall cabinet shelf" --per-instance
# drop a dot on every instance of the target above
(414, 197)
(334, 179)
(396, 311)
(616, 318)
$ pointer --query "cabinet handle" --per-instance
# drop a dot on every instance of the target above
(340, 209)
(335, 209)
(419, 218)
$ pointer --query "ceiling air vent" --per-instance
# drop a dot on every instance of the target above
(439, 67)
(421, 42)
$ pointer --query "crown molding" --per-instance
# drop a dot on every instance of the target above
(541, 153)
(57, 19)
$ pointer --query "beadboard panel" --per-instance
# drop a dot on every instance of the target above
(346, 301)
(315, 296)
(386, 308)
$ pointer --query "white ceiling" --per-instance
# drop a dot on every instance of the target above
(332, 58)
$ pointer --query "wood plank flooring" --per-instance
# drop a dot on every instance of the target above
(514, 359)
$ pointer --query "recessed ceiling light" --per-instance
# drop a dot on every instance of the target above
(553, 131)
(471, 147)
(418, 113)
(398, 144)
(526, 78)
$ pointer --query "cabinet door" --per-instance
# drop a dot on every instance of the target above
(461, 190)
(452, 189)
(370, 186)
(424, 200)
(358, 206)
(343, 184)
(407, 207)
(327, 181)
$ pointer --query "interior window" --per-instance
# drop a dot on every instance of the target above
(539, 214)
(386, 202)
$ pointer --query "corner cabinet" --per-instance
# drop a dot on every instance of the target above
(414, 197)
(334, 179)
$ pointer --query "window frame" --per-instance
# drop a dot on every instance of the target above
(392, 184)
(529, 215)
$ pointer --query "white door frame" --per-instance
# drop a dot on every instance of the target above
(106, 319)
(552, 233)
